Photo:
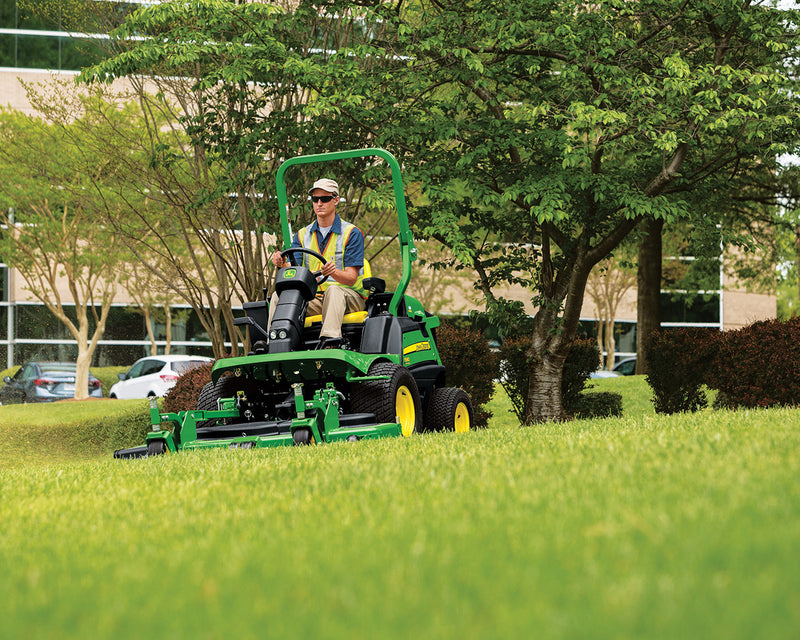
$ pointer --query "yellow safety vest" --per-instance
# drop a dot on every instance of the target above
(334, 250)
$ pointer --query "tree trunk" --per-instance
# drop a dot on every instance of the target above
(82, 363)
(648, 303)
(544, 390)
(150, 334)
(168, 328)
(555, 328)
(601, 340)
(797, 258)
(610, 344)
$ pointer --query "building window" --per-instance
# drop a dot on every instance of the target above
(690, 308)
(30, 41)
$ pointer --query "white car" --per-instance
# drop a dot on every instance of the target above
(154, 376)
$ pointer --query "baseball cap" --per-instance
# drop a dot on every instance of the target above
(326, 184)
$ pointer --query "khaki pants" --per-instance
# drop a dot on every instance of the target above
(335, 302)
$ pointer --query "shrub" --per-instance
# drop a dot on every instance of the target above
(582, 359)
(678, 365)
(758, 365)
(183, 396)
(601, 404)
(470, 365)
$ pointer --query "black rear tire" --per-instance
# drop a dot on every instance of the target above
(211, 393)
(450, 409)
(395, 399)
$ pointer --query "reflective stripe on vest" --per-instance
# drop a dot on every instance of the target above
(334, 250)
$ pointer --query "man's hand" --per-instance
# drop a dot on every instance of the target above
(278, 260)
(329, 269)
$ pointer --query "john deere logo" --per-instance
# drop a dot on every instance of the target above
(289, 273)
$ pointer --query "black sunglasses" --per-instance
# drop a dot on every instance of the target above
(322, 198)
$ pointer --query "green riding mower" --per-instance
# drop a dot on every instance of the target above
(385, 379)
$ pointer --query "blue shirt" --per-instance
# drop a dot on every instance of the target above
(353, 248)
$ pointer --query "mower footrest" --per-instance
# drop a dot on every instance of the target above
(264, 428)
(357, 420)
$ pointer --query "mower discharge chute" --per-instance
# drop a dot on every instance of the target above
(386, 380)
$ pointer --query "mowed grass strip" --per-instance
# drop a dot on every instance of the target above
(641, 527)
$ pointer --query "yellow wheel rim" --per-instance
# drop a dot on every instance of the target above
(461, 423)
(406, 412)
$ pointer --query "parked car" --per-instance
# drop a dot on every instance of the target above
(44, 382)
(154, 375)
(603, 373)
(626, 366)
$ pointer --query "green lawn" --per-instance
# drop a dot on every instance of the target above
(641, 527)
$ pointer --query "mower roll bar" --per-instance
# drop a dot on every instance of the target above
(408, 252)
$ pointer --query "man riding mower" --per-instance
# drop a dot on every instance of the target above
(381, 377)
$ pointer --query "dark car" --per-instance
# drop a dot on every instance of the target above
(44, 382)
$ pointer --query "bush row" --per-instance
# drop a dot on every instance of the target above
(756, 366)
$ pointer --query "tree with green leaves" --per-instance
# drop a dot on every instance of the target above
(52, 236)
(606, 287)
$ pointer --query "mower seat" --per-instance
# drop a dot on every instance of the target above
(356, 317)
(376, 288)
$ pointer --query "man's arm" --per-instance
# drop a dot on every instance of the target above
(279, 261)
(347, 276)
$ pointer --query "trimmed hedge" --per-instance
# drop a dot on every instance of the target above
(758, 365)
(678, 364)
(183, 396)
(598, 404)
(582, 359)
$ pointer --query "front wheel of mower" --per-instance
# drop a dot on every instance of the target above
(302, 437)
(395, 399)
(450, 409)
(156, 448)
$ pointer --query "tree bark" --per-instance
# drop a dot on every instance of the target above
(648, 280)
(555, 329)
(148, 323)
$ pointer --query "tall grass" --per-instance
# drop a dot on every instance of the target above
(66, 431)
(641, 527)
